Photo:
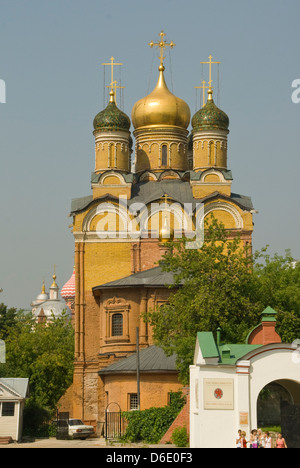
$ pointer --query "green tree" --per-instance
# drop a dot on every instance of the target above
(42, 353)
(277, 284)
(215, 288)
(224, 285)
(7, 320)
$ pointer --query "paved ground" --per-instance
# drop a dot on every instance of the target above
(89, 443)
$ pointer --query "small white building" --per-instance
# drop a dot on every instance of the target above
(13, 393)
(226, 380)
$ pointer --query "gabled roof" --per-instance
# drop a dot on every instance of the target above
(152, 360)
(18, 387)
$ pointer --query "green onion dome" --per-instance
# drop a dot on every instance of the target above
(112, 118)
(210, 117)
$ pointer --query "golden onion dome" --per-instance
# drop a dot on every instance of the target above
(161, 107)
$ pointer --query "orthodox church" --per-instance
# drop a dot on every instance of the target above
(49, 305)
(140, 192)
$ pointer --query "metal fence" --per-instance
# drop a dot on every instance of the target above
(114, 425)
(62, 429)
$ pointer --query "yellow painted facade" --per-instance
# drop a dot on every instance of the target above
(160, 149)
(105, 262)
(210, 150)
(155, 389)
(111, 153)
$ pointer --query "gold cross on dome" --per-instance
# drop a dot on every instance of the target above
(113, 88)
(210, 63)
(162, 45)
(112, 64)
(203, 87)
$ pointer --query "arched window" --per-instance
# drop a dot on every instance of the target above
(117, 325)
(164, 155)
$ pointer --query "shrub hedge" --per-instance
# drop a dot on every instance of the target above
(151, 424)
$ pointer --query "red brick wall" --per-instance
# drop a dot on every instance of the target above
(264, 334)
(182, 420)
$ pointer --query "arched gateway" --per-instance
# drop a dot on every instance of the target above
(227, 381)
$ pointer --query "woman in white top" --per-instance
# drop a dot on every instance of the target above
(268, 440)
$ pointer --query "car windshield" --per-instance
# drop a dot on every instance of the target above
(75, 422)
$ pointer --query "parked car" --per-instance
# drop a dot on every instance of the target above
(74, 429)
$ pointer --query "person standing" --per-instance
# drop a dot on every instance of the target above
(280, 442)
(243, 440)
(253, 439)
(260, 439)
(268, 440)
(238, 439)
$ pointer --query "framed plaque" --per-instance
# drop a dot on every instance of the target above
(218, 394)
(244, 419)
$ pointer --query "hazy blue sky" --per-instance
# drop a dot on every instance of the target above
(50, 59)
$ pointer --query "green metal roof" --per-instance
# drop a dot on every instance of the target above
(231, 353)
(207, 345)
(269, 315)
(227, 353)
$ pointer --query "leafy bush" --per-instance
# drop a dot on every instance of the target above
(150, 425)
(180, 437)
(37, 420)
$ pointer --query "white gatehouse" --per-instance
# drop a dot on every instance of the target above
(227, 379)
